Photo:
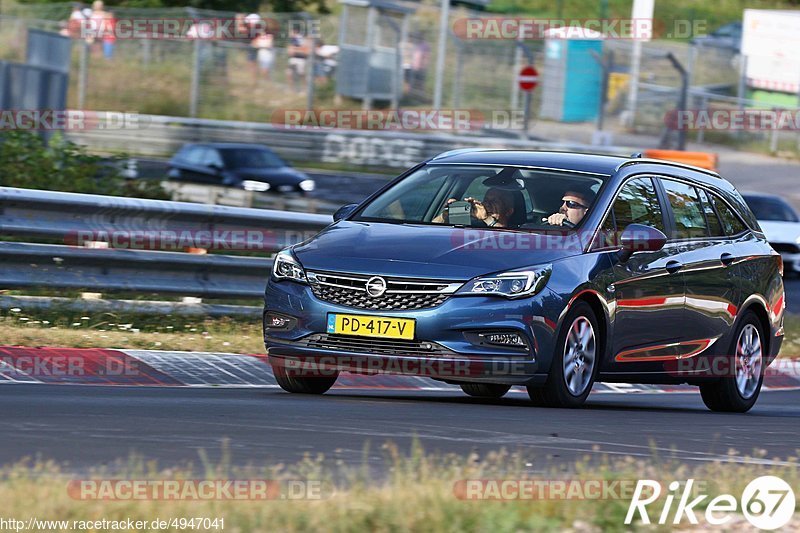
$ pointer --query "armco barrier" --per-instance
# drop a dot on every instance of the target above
(142, 226)
(161, 136)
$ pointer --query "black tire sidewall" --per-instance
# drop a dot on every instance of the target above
(556, 392)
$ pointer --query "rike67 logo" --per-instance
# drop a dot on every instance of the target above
(767, 502)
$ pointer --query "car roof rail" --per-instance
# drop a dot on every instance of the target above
(639, 160)
(460, 151)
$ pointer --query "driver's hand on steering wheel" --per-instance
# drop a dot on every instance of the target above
(557, 219)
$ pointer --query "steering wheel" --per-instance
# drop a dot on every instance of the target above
(564, 223)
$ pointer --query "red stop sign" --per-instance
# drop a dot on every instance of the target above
(528, 78)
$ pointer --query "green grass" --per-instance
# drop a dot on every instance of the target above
(412, 491)
(69, 329)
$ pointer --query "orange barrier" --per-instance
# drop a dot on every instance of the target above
(705, 160)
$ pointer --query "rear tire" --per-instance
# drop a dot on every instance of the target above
(485, 390)
(737, 393)
(303, 384)
(575, 361)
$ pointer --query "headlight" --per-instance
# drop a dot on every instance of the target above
(285, 266)
(256, 186)
(509, 284)
(307, 185)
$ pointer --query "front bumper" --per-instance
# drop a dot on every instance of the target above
(450, 327)
(314, 362)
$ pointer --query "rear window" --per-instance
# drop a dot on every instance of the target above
(730, 222)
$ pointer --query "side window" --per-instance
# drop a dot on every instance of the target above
(194, 155)
(211, 157)
(607, 236)
(730, 222)
(637, 203)
(690, 222)
(714, 225)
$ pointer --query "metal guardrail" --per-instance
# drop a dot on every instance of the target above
(82, 217)
(160, 136)
(24, 265)
(145, 228)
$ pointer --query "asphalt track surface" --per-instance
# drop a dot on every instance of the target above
(89, 425)
(86, 426)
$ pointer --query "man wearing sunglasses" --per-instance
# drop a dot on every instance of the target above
(574, 205)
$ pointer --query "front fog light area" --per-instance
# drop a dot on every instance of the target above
(278, 321)
(510, 340)
(307, 185)
(504, 339)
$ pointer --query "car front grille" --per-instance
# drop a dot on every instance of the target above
(786, 248)
(401, 293)
(369, 345)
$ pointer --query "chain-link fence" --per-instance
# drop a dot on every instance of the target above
(233, 79)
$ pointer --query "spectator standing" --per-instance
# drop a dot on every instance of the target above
(420, 59)
(265, 52)
(96, 23)
(77, 21)
(298, 51)
(109, 35)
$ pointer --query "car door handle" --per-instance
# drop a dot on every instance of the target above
(726, 259)
(673, 266)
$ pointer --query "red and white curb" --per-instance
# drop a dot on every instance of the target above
(97, 366)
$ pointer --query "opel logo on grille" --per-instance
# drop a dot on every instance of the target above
(376, 286)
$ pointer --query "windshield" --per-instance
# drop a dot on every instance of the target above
(771, 209)
(251, 158)
(487, 196)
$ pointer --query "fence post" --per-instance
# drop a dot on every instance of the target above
(83, 74)
(146, 52)
(194, 92)
(310, 65)
(741, 88)
(516, 68)
(444, 19)
(455, 100)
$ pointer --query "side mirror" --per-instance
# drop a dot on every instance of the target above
(215, 167)
(640, 238)
(344, 212)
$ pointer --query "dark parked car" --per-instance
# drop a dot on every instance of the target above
(728, 36)
(246, 166)
(488, 269)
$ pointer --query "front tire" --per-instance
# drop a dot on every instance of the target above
(485, 390)
(303, 384)
(738, 393)
(575, 362)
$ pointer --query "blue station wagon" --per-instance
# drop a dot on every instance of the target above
(491, 268)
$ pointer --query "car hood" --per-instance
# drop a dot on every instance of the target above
(440, 252)
(783, 232)
(274, 176)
